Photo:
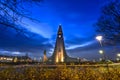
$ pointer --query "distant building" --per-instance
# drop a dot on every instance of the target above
(44, 57)
(4, 58)
(23, 59)
(59, 54)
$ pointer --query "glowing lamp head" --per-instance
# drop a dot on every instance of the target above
(118, 54)
(101, 51)
(99, 38)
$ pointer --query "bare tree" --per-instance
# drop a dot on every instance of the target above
(12, 12)
(109, 22)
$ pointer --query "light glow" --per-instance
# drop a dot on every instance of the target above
(118, 54)
(99, 38)
(56, 58)
(59, 36)
(10, 59)
(101, 51)
(59, 56)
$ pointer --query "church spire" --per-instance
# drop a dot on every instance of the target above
(59, 54)
(60, 29)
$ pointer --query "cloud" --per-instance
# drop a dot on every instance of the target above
(12, 42)
(76, 19)
(79, 41)
(91, 51)
(88, 47)
(43, 29)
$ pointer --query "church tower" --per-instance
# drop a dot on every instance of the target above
(59, 54)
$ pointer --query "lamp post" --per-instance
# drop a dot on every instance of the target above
(78, 60)
(101, 51)
(99, 38)
(118, 55)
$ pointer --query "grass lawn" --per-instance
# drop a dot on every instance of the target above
(60, 73)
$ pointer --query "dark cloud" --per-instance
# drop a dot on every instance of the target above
(74, 40)
(10, 40)
(92, 51)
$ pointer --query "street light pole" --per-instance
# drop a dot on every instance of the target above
(99, 38)
(118, 55)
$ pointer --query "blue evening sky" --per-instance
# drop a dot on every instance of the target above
(77, 18)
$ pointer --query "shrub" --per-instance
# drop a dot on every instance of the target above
(60, 73)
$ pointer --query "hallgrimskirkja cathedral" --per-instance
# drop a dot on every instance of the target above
(59, 55)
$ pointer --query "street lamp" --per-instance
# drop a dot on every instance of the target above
(99, 38)
(118, 55)
(101, 51)
(78, 59)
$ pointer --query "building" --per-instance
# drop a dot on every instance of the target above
(59, 54)
(44, 56)
(5, 58)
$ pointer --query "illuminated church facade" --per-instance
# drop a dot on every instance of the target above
(59, 54)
